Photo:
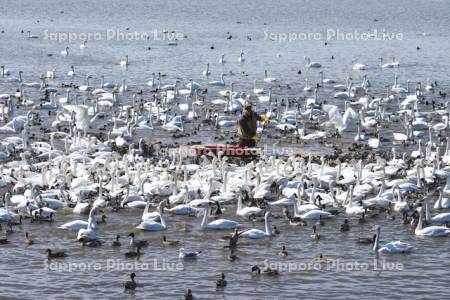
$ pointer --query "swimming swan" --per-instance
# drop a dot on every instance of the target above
(257, 233)
(219, 224)
(392, 247)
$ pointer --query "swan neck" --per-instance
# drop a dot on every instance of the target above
(205, 217)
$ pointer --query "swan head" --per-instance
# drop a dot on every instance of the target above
(378, 229)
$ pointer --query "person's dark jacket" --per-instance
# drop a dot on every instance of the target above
(248, 125)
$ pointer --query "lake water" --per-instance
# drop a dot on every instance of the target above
(424, 24)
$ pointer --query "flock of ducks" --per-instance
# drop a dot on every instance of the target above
(93, 160)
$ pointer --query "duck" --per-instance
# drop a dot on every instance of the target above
(167, 242)
(188, 295)
(315, 235)
(232, 255)
(133, 254)
(364, 240)
(345, 226)
(28, 239)
(137, 243)
(283, 251)
(266, 271)
(130, 285)
(221, 282)
(392, 247)
(59, 254)
(116, 242)
(93, 244)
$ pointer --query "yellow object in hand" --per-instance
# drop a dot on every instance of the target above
(256, 138)
(265, 119)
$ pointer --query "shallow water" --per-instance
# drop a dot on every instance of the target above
(425, 272)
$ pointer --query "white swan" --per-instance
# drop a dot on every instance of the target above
(219, 224)
(441, 218)
(312, 65)
(246, 211)
(441, 202)
(76, 225)
(241, 58)
(256, 90)
(146, 215)
(392, 247)
(222, 59)
(83, 46)
(65, 52)
(257, 233)
(393, 64)
(151, 225)
(268, 79)
(71, 73)
(5, 214)
(32, 36)
(316, 214)
(206, 71)
(220, 82)
(430, 231)
(124, 62)
(90, 233)
(359, 66)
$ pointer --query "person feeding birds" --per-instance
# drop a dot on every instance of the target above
(247, 126)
